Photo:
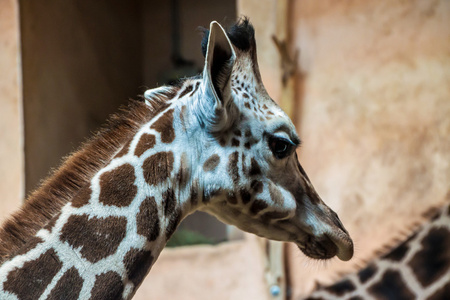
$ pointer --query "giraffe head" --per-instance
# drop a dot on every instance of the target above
(245, 152)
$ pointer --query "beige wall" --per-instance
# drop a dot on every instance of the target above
(232, 270)
(374, 121)
(81, 60)
(11, 146)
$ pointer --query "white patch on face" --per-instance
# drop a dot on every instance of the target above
(289, 200)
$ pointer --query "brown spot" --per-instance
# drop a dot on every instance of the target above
(164, 125)
(233, 170)
(68, 286)
(147, 141)
(211, 163)
(265, 107)
(245, 196)
(108, 285)
(194, 193)
(256, 186)
(182, 114)
(235, 142)
(245, 95)
(147, 220)
(124, 150)
(169, 202)
(237, 132)
(391, 286)
(367, 273)
(257, 206)
(82, 197)
(248, 133)
(341, 288)
(270, 113)
(97, 237)
(247, 145)
(222, 142)
(173, 223)
(184, 92)
(137, 263)
(30, 281)
(275, 194)
(247, 105)
(232, 199)
(433, 260)
(183, 174)
(255, 170)
(117, 186)
(400, 251)
(158, 167)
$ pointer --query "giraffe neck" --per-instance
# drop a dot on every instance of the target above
(76, 171)
(105, 240)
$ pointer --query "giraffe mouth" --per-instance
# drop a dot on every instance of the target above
(327, 246)
(322, 248)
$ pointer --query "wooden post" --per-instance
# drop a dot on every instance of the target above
(275, 267)
(11, 119)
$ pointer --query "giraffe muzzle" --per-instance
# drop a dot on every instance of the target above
(328, 246)
(343, 243)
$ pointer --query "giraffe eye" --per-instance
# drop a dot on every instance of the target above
(280, 147)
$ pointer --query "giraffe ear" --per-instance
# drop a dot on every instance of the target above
(216, 104)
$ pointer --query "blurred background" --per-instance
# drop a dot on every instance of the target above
(367, 83)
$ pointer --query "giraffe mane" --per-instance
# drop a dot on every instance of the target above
(76, 171)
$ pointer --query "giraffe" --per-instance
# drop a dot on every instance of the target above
(417, 268)
(216, 142)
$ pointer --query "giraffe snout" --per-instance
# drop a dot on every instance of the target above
(328, 246)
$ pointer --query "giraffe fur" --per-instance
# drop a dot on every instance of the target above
(216, 143)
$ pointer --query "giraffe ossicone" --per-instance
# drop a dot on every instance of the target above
(216, 143)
